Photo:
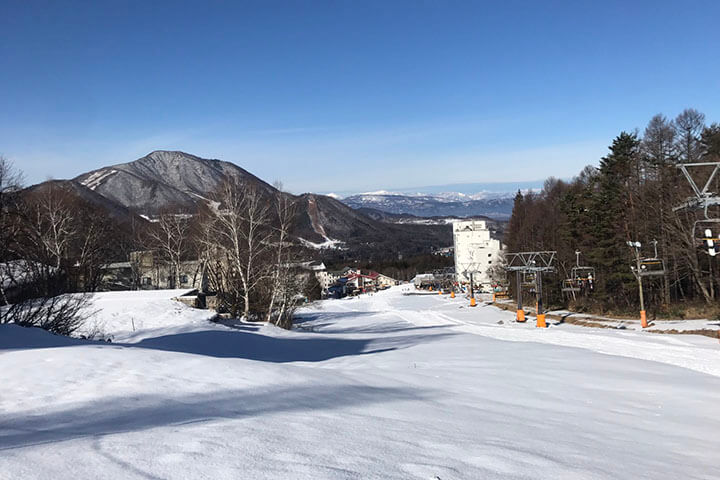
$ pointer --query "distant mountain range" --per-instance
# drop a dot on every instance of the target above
(178, 182)
(449, 204)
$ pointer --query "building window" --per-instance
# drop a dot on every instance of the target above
(146, 281)
(183, 278)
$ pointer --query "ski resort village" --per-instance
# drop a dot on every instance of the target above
(325, 240)
(213, 326)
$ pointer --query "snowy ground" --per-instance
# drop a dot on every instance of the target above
(658, 325)
(655, 325)
(385, 386)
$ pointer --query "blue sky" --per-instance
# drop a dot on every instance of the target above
(348, 96)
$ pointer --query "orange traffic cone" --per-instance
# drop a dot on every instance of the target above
(472, 302)
(452, 294)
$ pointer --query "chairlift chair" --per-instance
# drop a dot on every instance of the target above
(581, 277)
(500, 290)
(707, 233)
(528, 279)
(570, 286)
(651, 266)
(584, 276)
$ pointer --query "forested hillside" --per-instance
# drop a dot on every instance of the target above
(631, 197)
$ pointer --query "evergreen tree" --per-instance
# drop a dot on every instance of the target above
(612, 214)
(710, 140)
(514, 239)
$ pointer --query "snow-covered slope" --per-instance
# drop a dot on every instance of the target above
(388, 386)
(130, 316)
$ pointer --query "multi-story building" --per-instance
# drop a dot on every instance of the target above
(476, 252)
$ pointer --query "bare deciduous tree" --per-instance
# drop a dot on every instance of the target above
(10, 183)
(689, 126)
(283, 286)
(47, 230)
(169, 237)
(239, 238)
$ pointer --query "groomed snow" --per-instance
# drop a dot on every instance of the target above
(385, 386)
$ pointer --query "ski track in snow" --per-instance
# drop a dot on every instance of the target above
(385, 386)
(666, 349)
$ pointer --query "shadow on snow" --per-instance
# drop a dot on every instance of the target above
(243, 342)
(328, 322)
(142, 412)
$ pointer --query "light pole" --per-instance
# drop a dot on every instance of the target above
(472, 292)
(520, 317)
(637, 271)
(540, 315)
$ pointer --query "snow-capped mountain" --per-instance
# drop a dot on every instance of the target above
(177, 182)
(490, 204)
(163, 180)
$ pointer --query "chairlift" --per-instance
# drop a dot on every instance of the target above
(651, 266)
(582, 278)
(500, 290)
(706, 232)
(528, 279)
(569, 286)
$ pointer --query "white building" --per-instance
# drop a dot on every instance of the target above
(476, 252)
(324, 277)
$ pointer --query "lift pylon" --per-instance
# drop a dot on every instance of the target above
(530, 262)
(709, 226)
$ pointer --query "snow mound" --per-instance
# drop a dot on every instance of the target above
(130, 316)
(16, 337)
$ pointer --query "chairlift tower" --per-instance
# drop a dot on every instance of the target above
(468, 270)
(530, 262)
(703, 200)
(445, 277)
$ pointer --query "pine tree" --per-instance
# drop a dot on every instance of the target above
(612, 213)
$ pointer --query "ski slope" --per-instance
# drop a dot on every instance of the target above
(390, 385)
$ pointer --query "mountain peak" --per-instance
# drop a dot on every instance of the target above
(172, 156)
(165, 179)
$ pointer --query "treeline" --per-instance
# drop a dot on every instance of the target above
(56, 245)
(52, 242)
(630, 196)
